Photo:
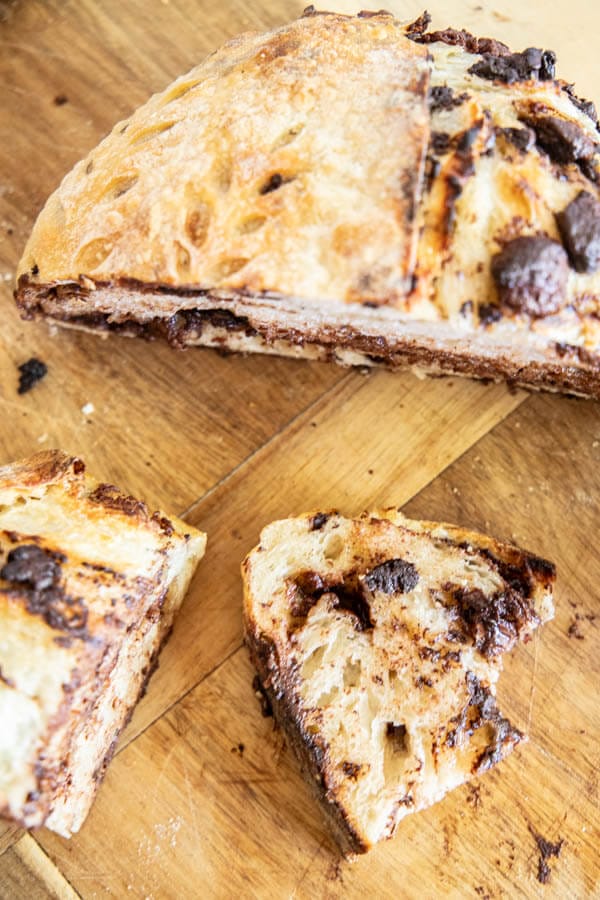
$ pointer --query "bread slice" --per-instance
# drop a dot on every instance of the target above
(90, 581)
(346, 188)
(378, 642)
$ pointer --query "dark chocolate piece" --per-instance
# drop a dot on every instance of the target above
(564, 141)
(32, 565)
(392, 577)
(30, 373)
(531, 275)
(579, 225)
(530, 65)
(318, 521)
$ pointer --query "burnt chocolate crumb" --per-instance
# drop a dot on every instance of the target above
(395, 576)
(351, 770)
(579, 226)
(30, 373)
(61, 99)
(547, 849)
(111, 497)
(318, 521)
(443, 97)
(265, 704)
(531, 275)
(489, 313)
(586, 106)
(564, 141)
(419, 26)
(530, 65)
(35, 269)
(521, 138)
(455, 38)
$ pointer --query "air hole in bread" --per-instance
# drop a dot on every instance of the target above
(352, 672)
(313, 662)
(227, 267)
(333, 547)
(146, 134)
(94, 253)
(119, 186)
(180, 91)
(223, 174)
(396, 751)
(182, 257)
(327, 698)
(274, 182)
(252, 224)
(197, 223)
(289, 135)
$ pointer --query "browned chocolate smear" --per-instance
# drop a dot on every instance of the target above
(493, 624)
(306, 589)
(35, 574)
(547, 849)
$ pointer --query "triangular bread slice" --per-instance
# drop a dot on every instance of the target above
(344, 188)
(90, 582)
(378, 642)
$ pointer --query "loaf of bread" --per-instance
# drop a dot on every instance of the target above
(346, 188)
(90, 582)
(378, 642)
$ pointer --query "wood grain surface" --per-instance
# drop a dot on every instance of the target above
(203, 799)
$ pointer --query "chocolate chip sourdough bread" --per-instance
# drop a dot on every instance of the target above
(345, 188)
(90, 582)
(378, 642)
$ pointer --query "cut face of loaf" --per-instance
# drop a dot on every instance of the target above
(378, 641)
(345, 188)
(90, 582)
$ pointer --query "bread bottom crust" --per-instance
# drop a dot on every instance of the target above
(273, 325)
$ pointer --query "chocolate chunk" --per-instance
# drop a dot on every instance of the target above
(531, 275)
(395, 576)
(31, 372)
(61, 99)
(530, 65)
(32, 565)
(563, 141)
(443, 97)
(522, 138)
(579, 225)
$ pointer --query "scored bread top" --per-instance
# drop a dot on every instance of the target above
(253, 170)
(83, 567)
(342, 161)
(379, 640)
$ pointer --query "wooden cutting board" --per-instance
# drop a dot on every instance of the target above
(203, 798)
